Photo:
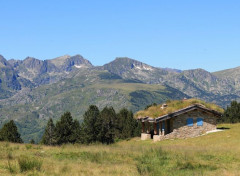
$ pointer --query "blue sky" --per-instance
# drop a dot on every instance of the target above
(176, 34)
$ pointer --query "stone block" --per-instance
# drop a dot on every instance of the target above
(156, 138)
(145, 136)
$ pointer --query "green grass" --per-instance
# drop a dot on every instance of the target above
(129, 87)
(28, 164)
(212, 154)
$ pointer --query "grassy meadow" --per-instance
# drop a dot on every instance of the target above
(211, 154)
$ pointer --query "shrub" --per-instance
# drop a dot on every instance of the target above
(28, 146)
(9, 156)
(26, 164)
(11, 168)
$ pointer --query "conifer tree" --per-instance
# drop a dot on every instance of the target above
(65, 130)
(49, 136)
(32, 141)
(9, 132)
(129, 126)
(138, 129)
(126, 124)
(108, 117)
(232, 113)
(76, 132)
(120, 123)
(91, 125)
(1, 138)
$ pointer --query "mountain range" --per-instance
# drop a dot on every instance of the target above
(33, 90)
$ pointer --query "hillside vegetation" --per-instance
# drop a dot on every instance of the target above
(211, 154)
(34, 90)
(31, 110)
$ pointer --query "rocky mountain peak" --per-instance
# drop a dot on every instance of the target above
(15, 63)
(199, 73)
(59, 61)
(78, 60)
(66, 62)
(31, 62)
(124, 64)
(3, 62)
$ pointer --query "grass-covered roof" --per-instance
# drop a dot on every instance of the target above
(174, 105)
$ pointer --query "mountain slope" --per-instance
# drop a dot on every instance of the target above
(231, 75)
(33, 108)
(129, 68)
(195, 83)
(8, 79)
(32, 90)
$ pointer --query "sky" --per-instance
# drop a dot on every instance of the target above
(184, 34)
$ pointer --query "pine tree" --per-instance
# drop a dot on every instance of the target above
(120, 123)
(65, 129)
(49, 136)
(138, 129)
(130, 125)
(9, 132)
(232, 113)
(108, 117)
(91, 125)
(76, 132)
(126, 124)
(1, 138)
(32, 141)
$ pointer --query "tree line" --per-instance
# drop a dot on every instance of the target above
(231, 113)
(104, 126)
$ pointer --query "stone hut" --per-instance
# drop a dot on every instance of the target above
(178, 119)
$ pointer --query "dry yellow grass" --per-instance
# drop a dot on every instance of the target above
(174, 105)
(212, 154)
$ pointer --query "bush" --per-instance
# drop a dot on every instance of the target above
(26, 164)
(28, 146)
(11, 168)
(9, 156)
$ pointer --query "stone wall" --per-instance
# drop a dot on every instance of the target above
(181, 130)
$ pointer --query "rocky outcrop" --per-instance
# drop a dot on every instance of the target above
(8, 77)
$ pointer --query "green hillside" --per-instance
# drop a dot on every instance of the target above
(211, 154)
(33, 90)
(32, 108)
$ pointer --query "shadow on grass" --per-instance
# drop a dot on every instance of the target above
(223, 128)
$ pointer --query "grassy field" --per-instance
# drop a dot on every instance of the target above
(212, 154)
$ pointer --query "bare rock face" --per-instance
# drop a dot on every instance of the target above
(130, 68)
(40, 72)
(68, 63)
(8, 77)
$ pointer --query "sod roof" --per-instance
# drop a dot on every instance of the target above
(173, 106)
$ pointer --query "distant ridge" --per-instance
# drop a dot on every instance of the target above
(33, 90)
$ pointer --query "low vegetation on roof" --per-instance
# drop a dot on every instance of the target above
(155, 111)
